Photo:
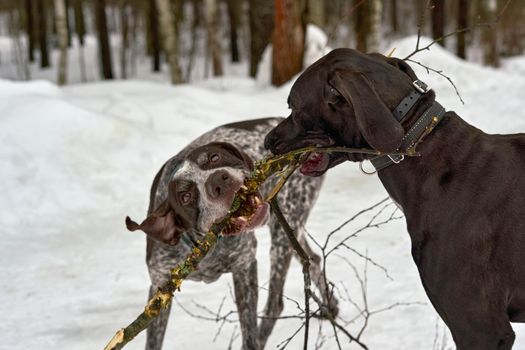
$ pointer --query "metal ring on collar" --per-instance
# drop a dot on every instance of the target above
(363, 169)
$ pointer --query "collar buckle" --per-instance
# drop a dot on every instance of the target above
(396, 159)
(420, 86)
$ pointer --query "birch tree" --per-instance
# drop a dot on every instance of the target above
(490, 35)
(60, 22)
(80, 30)
(124, 27)
(374, 37)
(214, 46)
(169, 36)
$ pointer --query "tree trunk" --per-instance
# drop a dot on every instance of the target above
(234, 15)
(153, 35)
(80, 27)
(393, 15)
(124, 27)
(316, 12)
(135, 23)
(177, 9)
(169, 35)
(103, 39)
(362, 24)
(288, 40)
(68, 22)
(490, 35)
(14, 27)
(462, 23)
(438, 21)
(60, 19)
(210, 7)
(42, 34)
(80, 30)
(30, 30)
(194, 26)
(374, 36)
(261, 28)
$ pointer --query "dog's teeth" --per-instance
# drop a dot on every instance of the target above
(243, 219)
(257, 200)
(244, 188)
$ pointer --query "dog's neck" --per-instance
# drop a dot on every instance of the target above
(438, 155)
(423, 104)
(418, 114)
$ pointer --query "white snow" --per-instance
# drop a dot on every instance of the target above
(76, 160)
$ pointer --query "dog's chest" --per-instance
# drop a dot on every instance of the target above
(230, 254)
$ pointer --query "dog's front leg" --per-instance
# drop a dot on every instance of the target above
(246, 294)
(157, 328)
(280, 256)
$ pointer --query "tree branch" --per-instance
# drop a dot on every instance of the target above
(305, 261)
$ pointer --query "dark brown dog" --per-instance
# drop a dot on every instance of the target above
(463, 197)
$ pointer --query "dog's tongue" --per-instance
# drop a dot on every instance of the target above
(316, 163)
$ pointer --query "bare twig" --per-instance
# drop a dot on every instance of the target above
(305, 261)
(282, 345)
(439, 72)
(370, 224)
(435, 41)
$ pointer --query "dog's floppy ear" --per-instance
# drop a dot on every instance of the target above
(159, 225)
(375, 121)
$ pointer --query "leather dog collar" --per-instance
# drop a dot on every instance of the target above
(420, 89)
(423, 126)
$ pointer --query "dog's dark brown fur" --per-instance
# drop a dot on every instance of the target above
(463, 199)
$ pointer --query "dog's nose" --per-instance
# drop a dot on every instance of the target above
(218, 183)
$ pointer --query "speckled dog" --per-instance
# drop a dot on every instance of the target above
(196, 188)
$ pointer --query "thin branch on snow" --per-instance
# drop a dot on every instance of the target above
(305, 312)
(439, 72)
(305, 261)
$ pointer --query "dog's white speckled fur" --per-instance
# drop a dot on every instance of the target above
(236, 254)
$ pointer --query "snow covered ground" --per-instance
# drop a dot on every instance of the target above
(76, 160)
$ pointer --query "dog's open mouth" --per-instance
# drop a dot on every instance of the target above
(248, 216)
(316, 164)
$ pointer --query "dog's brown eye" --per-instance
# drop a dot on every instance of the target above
(214, 158)
(334, 91)
(185, 197)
